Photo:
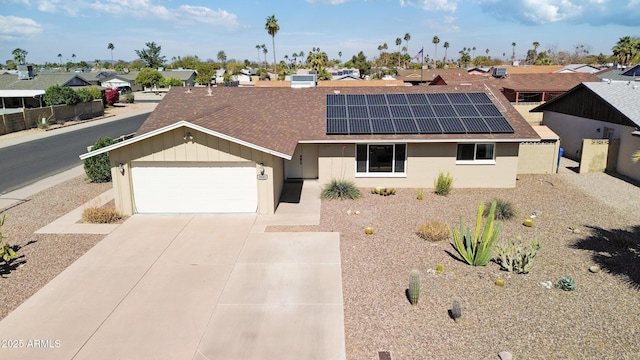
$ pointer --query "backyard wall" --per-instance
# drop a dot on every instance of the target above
(599, 155)
(30, 118)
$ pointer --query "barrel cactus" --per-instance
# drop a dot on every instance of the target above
(414, 286)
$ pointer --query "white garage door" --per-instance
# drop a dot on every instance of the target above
(189, 188)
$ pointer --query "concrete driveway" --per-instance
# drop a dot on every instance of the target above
(188, 287)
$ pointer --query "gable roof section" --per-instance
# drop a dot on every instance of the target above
(617, 103)
(277, 119)
(41, 81)
(530, 69)
(557, 82)
(633, 71)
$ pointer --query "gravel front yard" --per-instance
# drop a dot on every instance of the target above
(599, 320)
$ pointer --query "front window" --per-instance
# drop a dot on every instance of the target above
(381, 158)
(481, 153)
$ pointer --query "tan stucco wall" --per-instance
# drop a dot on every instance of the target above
(532, 118)
(424, 162)
(538, 157)
(629, 144)
(171, 147)
(599, 155)
(572, 130)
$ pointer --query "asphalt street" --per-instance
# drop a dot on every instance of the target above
(25, 163)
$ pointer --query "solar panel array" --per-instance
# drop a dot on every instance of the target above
(434, 113)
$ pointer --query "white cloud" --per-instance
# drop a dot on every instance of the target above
(430, 5)
(182, 15)
(13, 27)
(538, 12)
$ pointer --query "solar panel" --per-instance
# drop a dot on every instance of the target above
(438, 98)
(376, 99)
(335, 99)
(488, 110)
(398, 112)
(466, 110)
(337, 126)
(444, 111)
(405, 126)
(475, 125)
(479, 98)
(459, 98)
(356, 99)
(498, 125)
(357, 112)
(397, 99)
(336, 112)
(382, 126)
(379, 112)
(359, 126)
(418, 99)
(433, 113)
(423, 111)
(429, 126)
(452, 125)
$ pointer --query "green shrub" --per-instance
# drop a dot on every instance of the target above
(477, 250)
(58, 95)
(97, 167)
(420, 195)
(129, 98)
(84, 95)
(434, 231)
(6, 251)
(443, 184)
(566, 284)
(383, 191)
(169, 81)
(340, 189)
(516, 257)
(504, 209)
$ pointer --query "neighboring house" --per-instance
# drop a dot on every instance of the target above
(231, 149)
(541, 87)
(119, 80)
(188, 77)
(578, 68)
(593, 111)
(345, 74)
(529, 69)
(625, 75)
(479, 70)
(424, 76)
(459, 79)
(18, 92)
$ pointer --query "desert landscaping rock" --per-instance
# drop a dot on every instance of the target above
(505, 355)
(594, 269)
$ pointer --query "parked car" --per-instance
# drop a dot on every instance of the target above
(124, 89)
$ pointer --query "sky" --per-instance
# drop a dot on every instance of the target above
(46, 28)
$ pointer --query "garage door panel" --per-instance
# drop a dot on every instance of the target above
(194, 189)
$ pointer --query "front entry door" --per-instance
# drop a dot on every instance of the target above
(303, 164)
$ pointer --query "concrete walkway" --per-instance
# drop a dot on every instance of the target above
(192, 287)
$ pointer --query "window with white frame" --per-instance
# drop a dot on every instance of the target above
(381, 159)
(476, 153)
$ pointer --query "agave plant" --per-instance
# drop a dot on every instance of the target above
(477, 250)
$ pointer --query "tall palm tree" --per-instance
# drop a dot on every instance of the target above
(487, 51)
(435, 41)
(264, 51)
(473, 52)
(272, 28)
(19, 56)
(340, 56)
(446, 47)
(407, 37)
(111, 47)
(535, 49)
(513, 53)
(96, 64)
(73, 57)
(60, 58)
(259, 48)
(398, 43)
(624, 50)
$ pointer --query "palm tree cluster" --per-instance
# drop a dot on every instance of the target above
(627, 50)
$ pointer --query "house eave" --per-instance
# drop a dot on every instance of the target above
(178, 125)
(418, 141)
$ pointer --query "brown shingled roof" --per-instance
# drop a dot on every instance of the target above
(278, 118)
(559, 82)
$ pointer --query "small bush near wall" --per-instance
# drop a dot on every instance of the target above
(434, 231)
(101, 215)
(112, 96)
(97, 167)
(443, 184)
(129, 98)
